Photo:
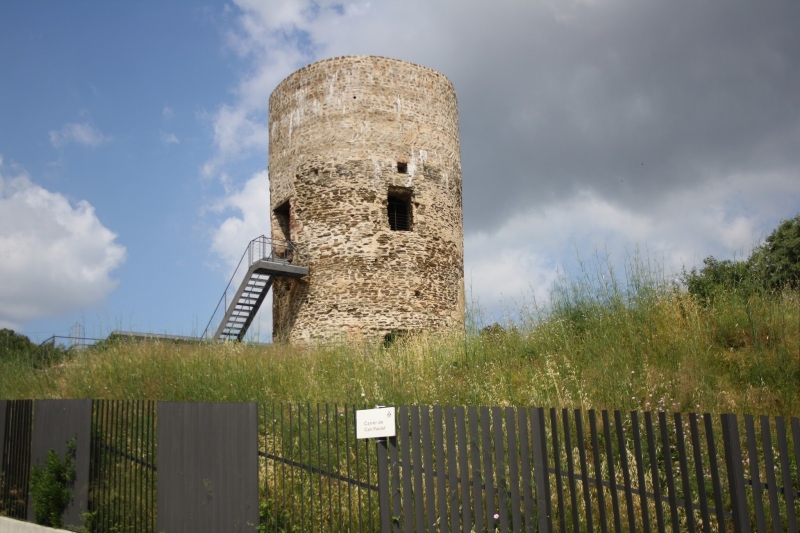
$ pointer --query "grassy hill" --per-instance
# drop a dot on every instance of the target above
(637, 343)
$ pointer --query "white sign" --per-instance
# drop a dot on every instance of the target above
(375, 423)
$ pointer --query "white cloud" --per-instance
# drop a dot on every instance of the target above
(251, 218)
(55, 255)
(524, 255)
(169, 138)
(83, 133)
(167, 112)
(586, 143)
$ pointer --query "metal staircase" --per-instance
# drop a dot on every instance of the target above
(267, 259)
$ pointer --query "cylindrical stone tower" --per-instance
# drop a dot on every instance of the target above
(365, 172)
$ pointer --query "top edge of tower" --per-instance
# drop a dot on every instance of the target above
(359, 58)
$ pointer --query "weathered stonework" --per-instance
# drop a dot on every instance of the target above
(345, 135)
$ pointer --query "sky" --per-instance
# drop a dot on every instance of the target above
(133, 141)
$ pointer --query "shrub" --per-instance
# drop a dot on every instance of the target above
(51, 487)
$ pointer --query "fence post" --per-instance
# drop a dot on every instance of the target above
(733, 462)
(540, 470)
(384, 505)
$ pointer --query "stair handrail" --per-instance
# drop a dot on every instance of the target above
(257, 251)
(224, 299)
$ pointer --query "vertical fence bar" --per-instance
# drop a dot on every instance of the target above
(488, 473)
(640, 468)
(698, 470)
(124, 451)
(452, 475)
(329, 467)
(733, 462)
(311, 523)
(319, 464)
(559, 479)
(666, 450)
(513, 470)
(384, 505)
(769, 470)
(541, 470)
(573, 489)
(684, 465)
(587, 491)
(291, 462)
(339, 469)
(598, 472)
(392, 459)
(500, 469)
(405, 449)
(612, 477)
(427, 454)
(463, 469)
(525, 465)
(284, 513)
(392, 446)
(416, 453)
(654, 473)
(714, 470)
(755, 474)
(440, 469)
(477, 481)
(786, 471)
(302, 471)
(369, 482)
(626, 474)
(119, 420)
(394, 462)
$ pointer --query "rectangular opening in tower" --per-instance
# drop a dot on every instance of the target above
(399, 209)
(282, 217)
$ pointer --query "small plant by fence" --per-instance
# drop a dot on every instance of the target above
(448, 469)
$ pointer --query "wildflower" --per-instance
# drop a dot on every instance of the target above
(496, 516)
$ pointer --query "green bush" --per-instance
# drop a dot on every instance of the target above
(773, 266)
(51, 487)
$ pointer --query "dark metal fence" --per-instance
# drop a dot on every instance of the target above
(59, 425)
(448, 469)
(208, 467)
(15, 456)
(517, 469)
(123, 473)
(316, 475)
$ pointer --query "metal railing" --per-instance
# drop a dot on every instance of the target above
(48, 352)
(261, 248)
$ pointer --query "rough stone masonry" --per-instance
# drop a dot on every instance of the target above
(365, 171)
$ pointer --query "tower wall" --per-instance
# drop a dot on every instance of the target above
(349, 136)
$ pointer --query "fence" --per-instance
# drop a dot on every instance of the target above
(448, 469)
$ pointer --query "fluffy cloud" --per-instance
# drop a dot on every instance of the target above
(669, 126)
(249, 217)
(79, 133)
(55, 256)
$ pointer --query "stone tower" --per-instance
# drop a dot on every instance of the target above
(365, 171)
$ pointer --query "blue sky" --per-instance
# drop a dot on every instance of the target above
(134, 143)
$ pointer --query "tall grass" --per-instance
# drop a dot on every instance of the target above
(604, 340)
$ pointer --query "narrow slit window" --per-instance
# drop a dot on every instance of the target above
(399, 210)
(402, 167)
(283, 217)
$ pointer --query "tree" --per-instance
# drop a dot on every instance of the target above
(716, 276)
(776, 262)
(773, 265)
(13, 345)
